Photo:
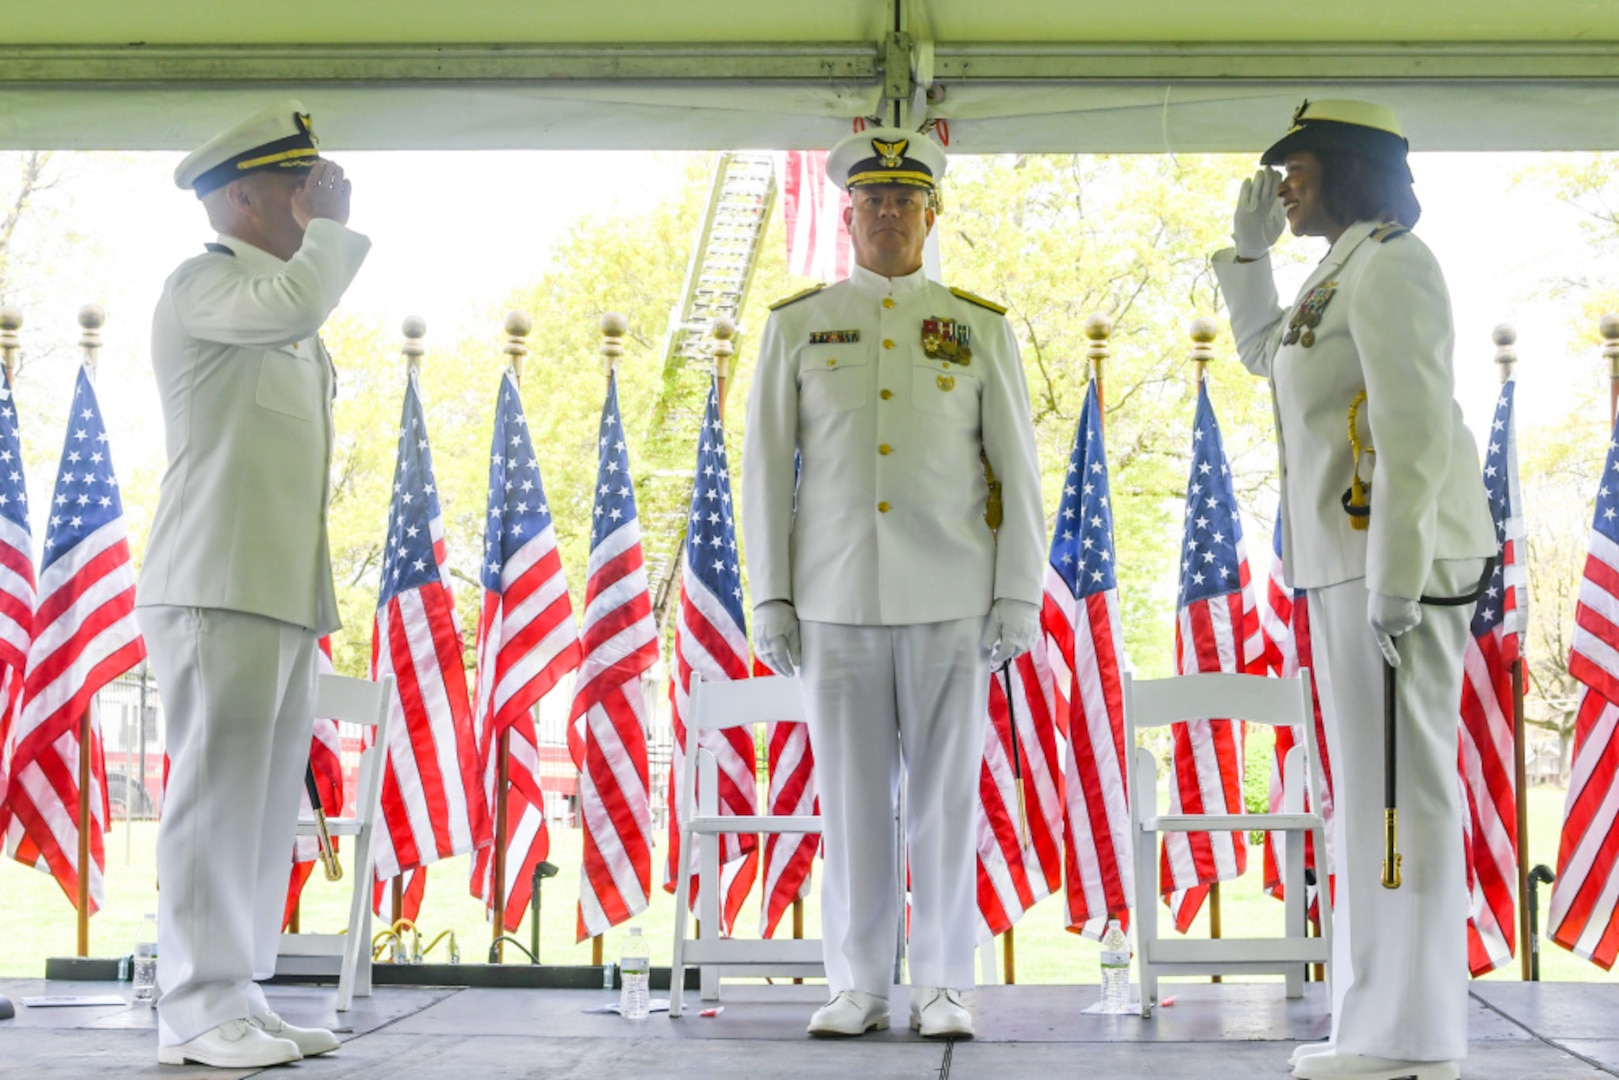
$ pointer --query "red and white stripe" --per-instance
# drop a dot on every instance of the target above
(84, 636)
(1286, 616)
(788, 857)
(1207, 766)
(1488, 789)
(1584, 915)
(709, 642)
(527, 642)
(16, 621)
(818, 243)
(1020, 855)
(608, 725)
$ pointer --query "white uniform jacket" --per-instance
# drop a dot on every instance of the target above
(1385, 329)
(247, 407)
(887, 526)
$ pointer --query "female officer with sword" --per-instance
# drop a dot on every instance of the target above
(1384, 518)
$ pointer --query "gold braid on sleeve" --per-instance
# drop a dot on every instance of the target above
(1357, 501)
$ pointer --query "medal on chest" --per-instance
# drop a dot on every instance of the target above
(946, 339)
(1307, 316)
(834, 337)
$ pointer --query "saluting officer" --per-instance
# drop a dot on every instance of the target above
(1383, 510)
(885, 411)
(236, 587)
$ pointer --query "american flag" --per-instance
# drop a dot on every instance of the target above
(432, 795)
(608, 721)
(84, 636)
(1020, 855)
(788, 857)
(711, 639)
(1215, 630)
(1488, 776)
(1285, 621)
(1085, 648)
(326, 761)
(16, 586)
(1584, 915)
(527, 641)
(818, 244)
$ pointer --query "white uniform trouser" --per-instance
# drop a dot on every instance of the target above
(1399, 956)
(239, 700)
(880, 698)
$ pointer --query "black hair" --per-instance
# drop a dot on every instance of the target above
(1356, 187)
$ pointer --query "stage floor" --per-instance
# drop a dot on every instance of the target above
(1539, 1031)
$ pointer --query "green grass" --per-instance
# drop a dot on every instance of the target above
(39, 922)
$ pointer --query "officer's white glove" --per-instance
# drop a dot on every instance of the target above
(1260, 218)
(775, 636)
(1390, 617)
(1009, 630)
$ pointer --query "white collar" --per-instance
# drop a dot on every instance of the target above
(871, 281)
(255, 259)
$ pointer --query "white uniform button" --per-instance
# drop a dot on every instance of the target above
(888, 301)
(882, 508)
(888, 343)
(885, 449)
(885, 394)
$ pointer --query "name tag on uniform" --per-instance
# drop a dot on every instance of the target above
(834, 337)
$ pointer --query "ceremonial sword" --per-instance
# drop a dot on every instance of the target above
(323, 837)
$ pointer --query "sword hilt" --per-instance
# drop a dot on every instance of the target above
(1391, 857)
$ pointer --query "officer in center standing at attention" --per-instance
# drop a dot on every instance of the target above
(892, 516)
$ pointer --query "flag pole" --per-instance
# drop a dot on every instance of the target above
(518, 325)
(1506, 360)
(1203, 330)
(91, 319)
(614, 325)
(724, 331)
(1099, 328)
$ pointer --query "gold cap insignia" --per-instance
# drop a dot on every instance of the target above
(306, 124)
(892, 153)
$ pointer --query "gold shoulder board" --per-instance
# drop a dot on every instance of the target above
(979, 300)
(1388, 231)
(797, 296)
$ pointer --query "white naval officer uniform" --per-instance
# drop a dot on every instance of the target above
(1399, 956)
(881, 546)
(234, 592)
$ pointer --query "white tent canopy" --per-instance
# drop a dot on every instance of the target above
(1031, 75)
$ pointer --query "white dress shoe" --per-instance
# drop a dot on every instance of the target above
(235, 1044)
(850, 1012)
(309, 1041)
(1309, 1049)
(1337, 1065)
(938, 1013)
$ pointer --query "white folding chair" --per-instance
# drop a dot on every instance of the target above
(714, 706)
(354, 701)
(1279, 703)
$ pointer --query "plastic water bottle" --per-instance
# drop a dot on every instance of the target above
(144, 973)
(1115, 969)
(635, 969)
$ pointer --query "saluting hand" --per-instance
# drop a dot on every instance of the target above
(1260, 217)
(325, 194)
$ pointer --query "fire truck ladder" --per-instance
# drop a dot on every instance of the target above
(717, 279)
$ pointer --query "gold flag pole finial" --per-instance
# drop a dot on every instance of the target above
(613, 326)
(92, 317)
(414, 329)
(1506, 357)
(518, 326)
(10, 323)
(724, 332)
(1203, 330)
(1098, 328)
